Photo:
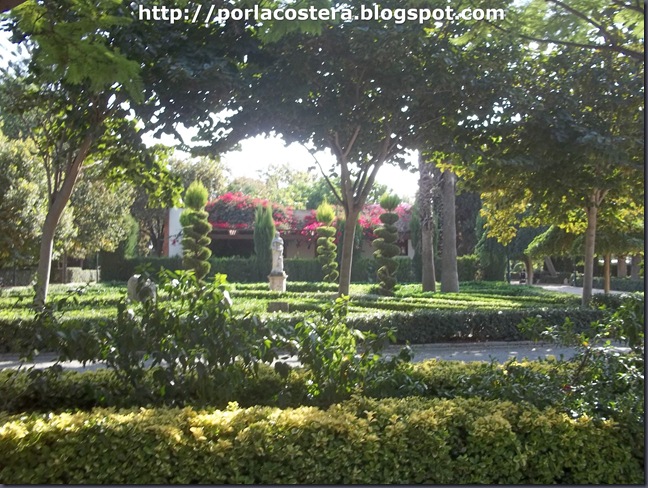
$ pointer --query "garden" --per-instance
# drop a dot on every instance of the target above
(256, 326)
(195, 389)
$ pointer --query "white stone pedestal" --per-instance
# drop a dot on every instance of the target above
(277, 281)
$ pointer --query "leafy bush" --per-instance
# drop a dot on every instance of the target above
(467, 267)
(328, 348)
(607, 381)
(116, 268)
(361, 441)
(237, 269)
(385, 247)
(190, 331)
(326, 247)
(299, 269)
(618, 284)
(264, 232)
(196, 229)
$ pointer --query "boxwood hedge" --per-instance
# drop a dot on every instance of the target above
(363, 441)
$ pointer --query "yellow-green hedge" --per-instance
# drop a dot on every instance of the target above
(361, 441)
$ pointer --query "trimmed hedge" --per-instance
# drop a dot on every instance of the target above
(430, 326)
(416, 327)
(362, 441)
(617, 284)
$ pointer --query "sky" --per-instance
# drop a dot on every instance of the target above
(260, 152)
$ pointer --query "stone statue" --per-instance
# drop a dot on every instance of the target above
(277, 247)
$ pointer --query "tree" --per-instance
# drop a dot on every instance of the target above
(576, 144)
(425, 197)
(614, 26)
(326, 247)
(196, 229)
(357, 89)
(208, 171)
(264, 232)
(21, 204)
(100, 216)
(449, 274)
(90, 68)
(384, 245)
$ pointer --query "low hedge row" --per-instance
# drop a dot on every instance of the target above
(430, 326)
(361, 441)
(415, 327)
(618, 284)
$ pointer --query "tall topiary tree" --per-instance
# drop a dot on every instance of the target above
(264, 231)
(385, 245)
(326, 247)
(195, 229)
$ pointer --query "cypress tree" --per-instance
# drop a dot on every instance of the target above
(195, 229)
(264, 232)
(326, 247)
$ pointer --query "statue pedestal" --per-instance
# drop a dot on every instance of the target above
(277, 281)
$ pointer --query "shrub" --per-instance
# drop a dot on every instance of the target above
(299, 269)
(264, 232)
(326, 247)
(115, 268)
(237, 269)
(385, 247)
(328, 348)
(196, 229)
(189, 330)
(618, 284)
(362, 441)
(467, 267)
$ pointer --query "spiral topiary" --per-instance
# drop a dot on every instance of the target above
(326, 247)
(195, 230)
(385, 247)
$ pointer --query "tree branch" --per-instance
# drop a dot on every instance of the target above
(326, 178)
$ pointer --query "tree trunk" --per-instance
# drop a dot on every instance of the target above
(346, 260)
(622, 267)
(64, 268)
(528, 266)
(449, 274)
(427, 186)
(58, 202)
(634, 267)
(550, 266)
(428, 277)
(606, 273)
(590, 241)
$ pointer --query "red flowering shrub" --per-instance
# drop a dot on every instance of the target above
(236, 211)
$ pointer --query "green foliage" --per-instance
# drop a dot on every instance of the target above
(101, 216)
(195, 196)
(196, 229)
(389, 201)
(607, 381)
(416, 235)
(386, 250)
(329, 349)
(22, 209)
(264, 232)
(362, 441)
(189, 331)
(326, 247)
(492, 255)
